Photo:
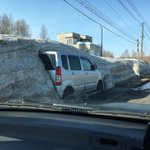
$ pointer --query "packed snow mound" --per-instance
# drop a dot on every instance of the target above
(22, 74)
(144, 87)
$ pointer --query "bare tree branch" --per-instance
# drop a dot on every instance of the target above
(44, 33)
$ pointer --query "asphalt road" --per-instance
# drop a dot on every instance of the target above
(120, 94)
(128, 91)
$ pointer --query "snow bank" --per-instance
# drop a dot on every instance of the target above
(22, 74)
(144, 87)
(119, 70)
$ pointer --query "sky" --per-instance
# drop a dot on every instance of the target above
(59, 17)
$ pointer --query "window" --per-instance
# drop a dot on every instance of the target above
(64, 62)
(69, 41)
(53, 60)
(86, 64)
(74, 63)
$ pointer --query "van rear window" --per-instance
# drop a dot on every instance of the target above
(64, 62)
(53, 60)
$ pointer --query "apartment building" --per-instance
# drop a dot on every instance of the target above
(82, 42)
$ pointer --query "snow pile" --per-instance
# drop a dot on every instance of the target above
(115, 71)
(136, 68)
(120, 70)
(22, 74)
(144, 68)
(144, 87)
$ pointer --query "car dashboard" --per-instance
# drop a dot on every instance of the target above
(29, 130)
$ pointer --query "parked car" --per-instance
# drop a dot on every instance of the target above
(72, 73)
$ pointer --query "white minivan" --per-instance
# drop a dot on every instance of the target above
(72, 73)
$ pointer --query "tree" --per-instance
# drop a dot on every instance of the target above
(134, 54)
(44, 33)
(21, 28)
(6, 24)
(108, 54)
(125, 54)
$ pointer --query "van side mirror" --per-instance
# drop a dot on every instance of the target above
(46, 61)
(93, 67)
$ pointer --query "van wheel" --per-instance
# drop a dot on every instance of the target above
(68, 93)
(100, 86)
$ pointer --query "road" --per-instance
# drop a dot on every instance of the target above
(128, 91)
(121, 94)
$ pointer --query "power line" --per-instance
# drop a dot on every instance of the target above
(147, 49)
(135, 9)
(148, 28)
(147, 35)
(142, 39)
(129, 12)
(98, 23)
(118, 14)
(138, 14)
(99, 14)
(131, 3)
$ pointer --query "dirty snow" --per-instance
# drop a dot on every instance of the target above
(22, 74)
(144, 87)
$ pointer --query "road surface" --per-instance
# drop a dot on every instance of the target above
(129, 91)
(132, 91)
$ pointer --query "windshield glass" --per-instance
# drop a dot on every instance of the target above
(94, 54)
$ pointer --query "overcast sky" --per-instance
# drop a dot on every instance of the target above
(59, 17)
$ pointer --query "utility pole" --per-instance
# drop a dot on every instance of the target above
(138, 53)
(142, 39)
(136, 66)
(101, 54)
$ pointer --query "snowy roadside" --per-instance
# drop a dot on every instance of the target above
(144, 87)
(22, 74)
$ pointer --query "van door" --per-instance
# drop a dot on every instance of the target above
(76, 74)
(91, 76)
(65, 70)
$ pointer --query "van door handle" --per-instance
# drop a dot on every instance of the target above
(73, 73)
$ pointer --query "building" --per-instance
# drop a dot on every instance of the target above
(82, 42)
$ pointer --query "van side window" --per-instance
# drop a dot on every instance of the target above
(52, 59)
(86, 64)
(64, 62)
(74, 63)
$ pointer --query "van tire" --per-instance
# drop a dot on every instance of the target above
(99, 86)
(68, 92)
